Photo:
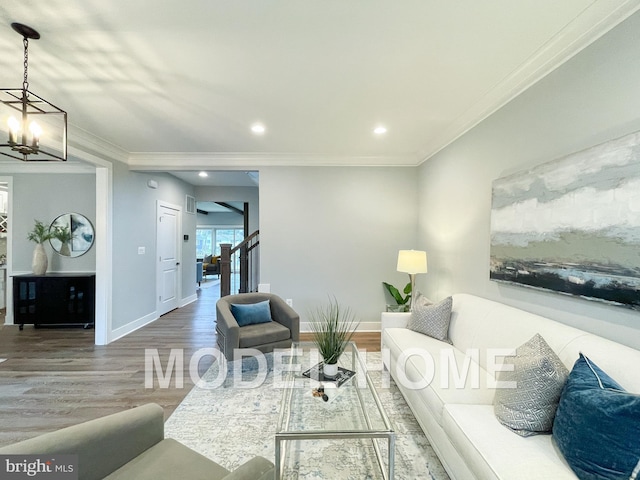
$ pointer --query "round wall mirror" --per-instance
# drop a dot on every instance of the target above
(72, 235)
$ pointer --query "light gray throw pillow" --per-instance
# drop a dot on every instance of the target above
(432, 320)
(529, 409)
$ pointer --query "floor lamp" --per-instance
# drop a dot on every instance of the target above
(412, 262)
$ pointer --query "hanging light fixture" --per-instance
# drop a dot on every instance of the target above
(31, 128)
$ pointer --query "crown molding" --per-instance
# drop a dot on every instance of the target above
(81, 141)
(169, 161)
(578, 34)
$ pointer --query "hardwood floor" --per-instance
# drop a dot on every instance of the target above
(56, 377)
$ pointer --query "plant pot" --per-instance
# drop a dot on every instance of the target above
(398, 308)
(330, 370)
(40, 261)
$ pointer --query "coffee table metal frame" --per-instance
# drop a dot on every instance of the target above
(285, 432)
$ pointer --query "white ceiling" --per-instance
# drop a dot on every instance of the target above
(176, 85)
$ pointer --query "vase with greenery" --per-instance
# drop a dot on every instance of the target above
(332, 327)
(63, 234)
(403, 303)
(39, 234)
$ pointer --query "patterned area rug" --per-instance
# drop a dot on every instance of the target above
(231, 425)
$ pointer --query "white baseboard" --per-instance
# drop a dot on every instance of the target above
(187, 300)
(132, 326)
(146, 320)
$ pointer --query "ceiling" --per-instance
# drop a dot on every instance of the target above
(176, 85)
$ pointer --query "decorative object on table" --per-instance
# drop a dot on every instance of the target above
(39, 235)
(571, 225)
(28, 139)
(412, 262)
(316, 372)
(332, 327)
(319, 393)
(402, 303)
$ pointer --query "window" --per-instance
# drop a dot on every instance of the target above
(204, 242)
(208, 237)
(228, 235)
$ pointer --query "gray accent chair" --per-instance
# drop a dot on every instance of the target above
(264, 337)
(131, 445)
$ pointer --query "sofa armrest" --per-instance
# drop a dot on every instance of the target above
(258, 468)
(103, 445)
(392, 320)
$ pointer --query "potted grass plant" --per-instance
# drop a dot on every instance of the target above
(332, 327)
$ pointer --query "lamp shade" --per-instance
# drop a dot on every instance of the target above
(412, 261)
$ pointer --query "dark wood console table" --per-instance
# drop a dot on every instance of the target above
(54, 299)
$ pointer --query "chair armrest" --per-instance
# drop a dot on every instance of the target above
(285, 315)
(228, 328)
(258, 468)
(103, 445)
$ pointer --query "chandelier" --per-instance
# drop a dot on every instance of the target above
(31, 128)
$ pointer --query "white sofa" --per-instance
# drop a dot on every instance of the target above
(460, 422)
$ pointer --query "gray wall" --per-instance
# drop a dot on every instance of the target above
(591, 99)
(43, 197)
(335, 231)
(134, 225)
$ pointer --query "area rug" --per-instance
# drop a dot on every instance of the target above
(231, 425)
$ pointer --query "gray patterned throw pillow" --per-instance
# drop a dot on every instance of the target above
(540, 376)
(432, 320)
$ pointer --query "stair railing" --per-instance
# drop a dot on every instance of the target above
(246, 256)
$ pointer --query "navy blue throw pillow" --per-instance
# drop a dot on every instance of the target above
(597, 425)
(251, 313)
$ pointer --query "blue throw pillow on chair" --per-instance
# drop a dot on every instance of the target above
(251, 313)
(597, 425)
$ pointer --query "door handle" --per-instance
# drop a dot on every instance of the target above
(177, 263)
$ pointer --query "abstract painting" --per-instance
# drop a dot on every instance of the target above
(572, 225)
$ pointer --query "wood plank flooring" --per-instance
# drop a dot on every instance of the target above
(56, 377)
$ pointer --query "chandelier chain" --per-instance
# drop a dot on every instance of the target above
(25, 83)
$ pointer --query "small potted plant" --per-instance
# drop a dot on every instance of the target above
(403, 303)
(332, 327)
(39, 234)
(63, 234)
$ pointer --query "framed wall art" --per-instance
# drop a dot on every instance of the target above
(572, 225)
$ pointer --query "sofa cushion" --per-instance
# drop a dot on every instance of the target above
(251, 313)
(169, 459)
(451, 375)
(262, 334)
(538, 376)
(493, 452)
(432, 320)
(596, 426)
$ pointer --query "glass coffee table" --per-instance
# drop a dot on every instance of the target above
(350, 411)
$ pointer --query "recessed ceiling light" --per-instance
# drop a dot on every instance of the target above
(203, 174)
(380, 129)
(258, 129)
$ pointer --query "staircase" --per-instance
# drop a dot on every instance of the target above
(245, 255)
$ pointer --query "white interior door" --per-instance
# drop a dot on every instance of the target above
(168, 257)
